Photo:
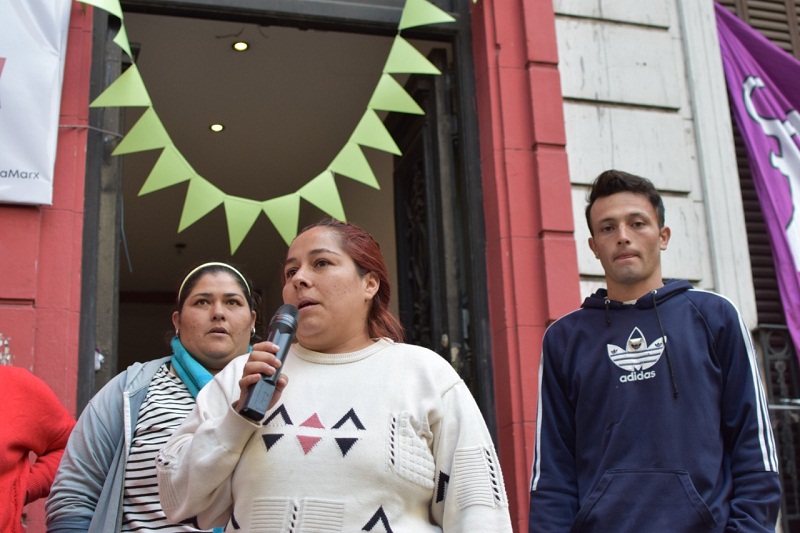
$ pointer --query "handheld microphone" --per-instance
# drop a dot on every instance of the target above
(282, 329)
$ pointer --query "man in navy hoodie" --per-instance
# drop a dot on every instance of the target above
(652, 417)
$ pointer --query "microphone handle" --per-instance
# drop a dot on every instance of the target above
(259, 394)
(284, 341)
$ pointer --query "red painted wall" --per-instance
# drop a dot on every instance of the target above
(532, 266)
(40, 248)
(531, 257)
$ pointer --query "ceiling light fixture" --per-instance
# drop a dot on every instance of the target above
(240, 46)
(216, 128)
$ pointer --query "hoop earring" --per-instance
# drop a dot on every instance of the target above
(253, 333)
(178, 333)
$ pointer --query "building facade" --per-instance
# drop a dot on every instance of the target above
(549, 93)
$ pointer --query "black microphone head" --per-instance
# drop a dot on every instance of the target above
(286, 316)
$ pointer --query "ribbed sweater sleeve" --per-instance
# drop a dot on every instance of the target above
(196, 465)
(464, 453)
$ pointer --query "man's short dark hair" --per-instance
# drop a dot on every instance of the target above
(614, 181)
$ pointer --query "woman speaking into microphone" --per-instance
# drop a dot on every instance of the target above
(363, 432)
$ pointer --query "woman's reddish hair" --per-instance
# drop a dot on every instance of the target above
(366, 253)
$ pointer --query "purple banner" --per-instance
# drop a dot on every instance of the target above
(764, 86)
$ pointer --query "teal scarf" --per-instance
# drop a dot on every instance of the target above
(193, 374)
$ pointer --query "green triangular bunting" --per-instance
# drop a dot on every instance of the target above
(391, 96)
(111, 6)
(351, 162)
(405, 59)
(170, 169)
(322, 192)
(127, 91)
(201, 199)
(122, 41)
(420, 13)
(284, 212)
(371, 132)
(147, 134)
(241, 214)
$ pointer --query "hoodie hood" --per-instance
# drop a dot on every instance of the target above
(599, 300)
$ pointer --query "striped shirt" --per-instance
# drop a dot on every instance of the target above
(167, 403)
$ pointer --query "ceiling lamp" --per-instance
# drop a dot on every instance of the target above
(240, 46)
(216, 128)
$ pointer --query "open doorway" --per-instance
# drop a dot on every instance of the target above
(288, 105)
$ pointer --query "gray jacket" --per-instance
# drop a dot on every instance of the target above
(86, 495)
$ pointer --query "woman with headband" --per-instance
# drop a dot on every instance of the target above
(107, 477)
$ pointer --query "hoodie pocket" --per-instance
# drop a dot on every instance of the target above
(652, 500)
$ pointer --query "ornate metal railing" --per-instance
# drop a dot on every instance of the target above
(782, 378)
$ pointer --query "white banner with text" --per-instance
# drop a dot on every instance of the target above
(33, 45)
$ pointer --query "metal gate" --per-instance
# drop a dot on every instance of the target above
(783, 391)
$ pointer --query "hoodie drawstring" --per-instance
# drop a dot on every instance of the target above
(608, 315)
(666, 345)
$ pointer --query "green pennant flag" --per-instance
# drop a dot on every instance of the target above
(109, 6)
(351, 162)
(372, 132)
(405, 59)
(420, 13)
(201, 199)
(170, 169)
(284, 213)
(147, 134)
(322, 192)
(241, 214)
(127, 91)
(391, 96)
(122, 40)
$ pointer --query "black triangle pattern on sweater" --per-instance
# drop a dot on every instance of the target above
(441, 486)
(351, 415)
(344, 443)
(270, 439)
(379, 516)
(280, 411)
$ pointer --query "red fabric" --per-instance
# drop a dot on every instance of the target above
(32, 419)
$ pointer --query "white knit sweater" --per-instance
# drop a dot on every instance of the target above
(385, 439)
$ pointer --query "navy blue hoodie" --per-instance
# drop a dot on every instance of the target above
(652, 419)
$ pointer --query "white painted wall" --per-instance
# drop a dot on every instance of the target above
(644, 92)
